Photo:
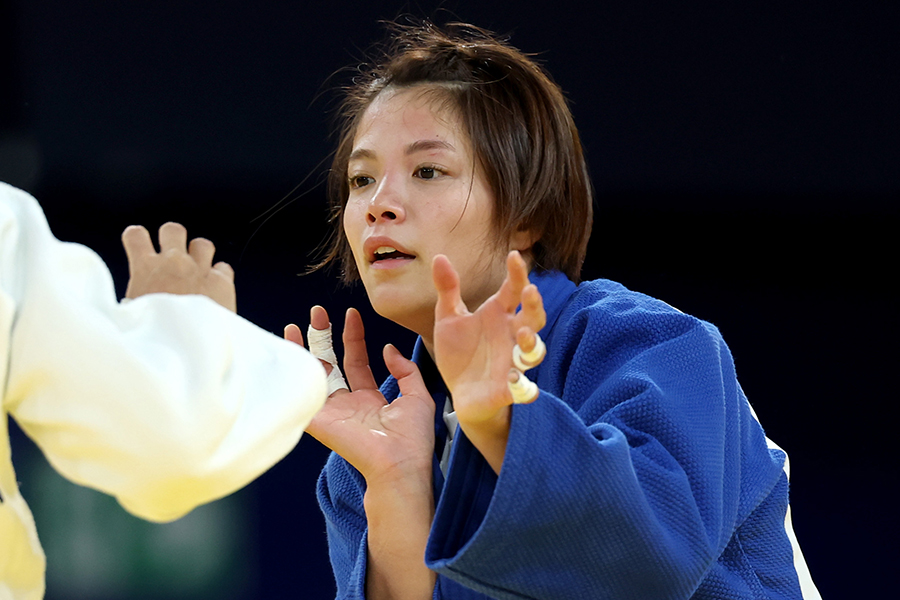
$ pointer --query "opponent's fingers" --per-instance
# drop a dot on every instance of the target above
(225, 269)
(137, 243)
(202, 251)
(446, 282)
(510, 292)
(356, 357)
(172, 236)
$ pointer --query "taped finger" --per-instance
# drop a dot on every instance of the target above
(529, 360)
(321, 346)
(523, 390)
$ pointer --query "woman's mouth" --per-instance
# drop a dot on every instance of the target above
(387, 256)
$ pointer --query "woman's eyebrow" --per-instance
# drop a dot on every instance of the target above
(424, 145)
(361, 153)
(417, 146)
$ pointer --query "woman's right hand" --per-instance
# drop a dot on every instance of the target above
(392, 445)
(386, 442)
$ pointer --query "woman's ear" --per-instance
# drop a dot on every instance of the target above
(523, 239)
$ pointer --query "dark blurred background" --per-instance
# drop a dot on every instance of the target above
(745, 159)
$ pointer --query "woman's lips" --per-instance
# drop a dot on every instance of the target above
(389, 257)
(384, 253)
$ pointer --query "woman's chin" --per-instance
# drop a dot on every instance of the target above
(410, 310)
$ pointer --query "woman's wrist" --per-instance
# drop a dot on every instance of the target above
(490, 436)
(413, 474)
(399, 511)
(407, 489)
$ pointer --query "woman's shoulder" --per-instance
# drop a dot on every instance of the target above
(612, 296)
(605, 299)
(611, 313)
(560, 293)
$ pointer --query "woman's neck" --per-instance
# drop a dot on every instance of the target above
(428, 342)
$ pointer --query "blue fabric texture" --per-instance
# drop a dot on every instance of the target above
(640, 471)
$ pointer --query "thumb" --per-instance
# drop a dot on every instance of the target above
(407, 374)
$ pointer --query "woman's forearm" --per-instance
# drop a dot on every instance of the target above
(490, 437)
(399, 515)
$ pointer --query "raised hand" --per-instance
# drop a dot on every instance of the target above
(381, 440)
(473, 350)
(178, 268)
(392, 445)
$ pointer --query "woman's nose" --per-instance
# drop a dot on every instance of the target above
(377, 214)
(386, 205)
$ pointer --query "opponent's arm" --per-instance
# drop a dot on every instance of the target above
(166, 402)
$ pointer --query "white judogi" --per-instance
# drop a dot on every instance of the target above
(165, 402)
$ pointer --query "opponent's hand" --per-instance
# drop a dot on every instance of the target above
(178, 268)
(383, 441)
(474, 350)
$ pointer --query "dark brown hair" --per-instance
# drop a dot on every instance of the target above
(518, 123)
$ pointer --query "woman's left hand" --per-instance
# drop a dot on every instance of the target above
(474, 350)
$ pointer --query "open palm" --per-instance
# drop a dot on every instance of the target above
(374, 436)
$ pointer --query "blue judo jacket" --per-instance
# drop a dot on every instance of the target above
(639, 472)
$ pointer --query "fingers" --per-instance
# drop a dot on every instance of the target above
(526, 339)
(510, 293)
(522, 389)
(172, 236)
(406, 372)
(321, 346)
(293, 334)
(201, 250)
(529, 350)
(318, 317)
(137, 243)
(225, 269)
(356, 357)
(532, 314)
(446, 281)
(399, 366)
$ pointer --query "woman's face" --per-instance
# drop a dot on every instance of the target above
(415, 192)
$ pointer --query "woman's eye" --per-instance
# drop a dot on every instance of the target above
(358, 181)
(427, 172)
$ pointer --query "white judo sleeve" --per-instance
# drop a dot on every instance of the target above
(165, 402)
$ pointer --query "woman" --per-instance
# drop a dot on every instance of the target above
(636, 471)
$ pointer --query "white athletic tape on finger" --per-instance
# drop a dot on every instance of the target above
(523, 390)
(529, 360)
(321, 347)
